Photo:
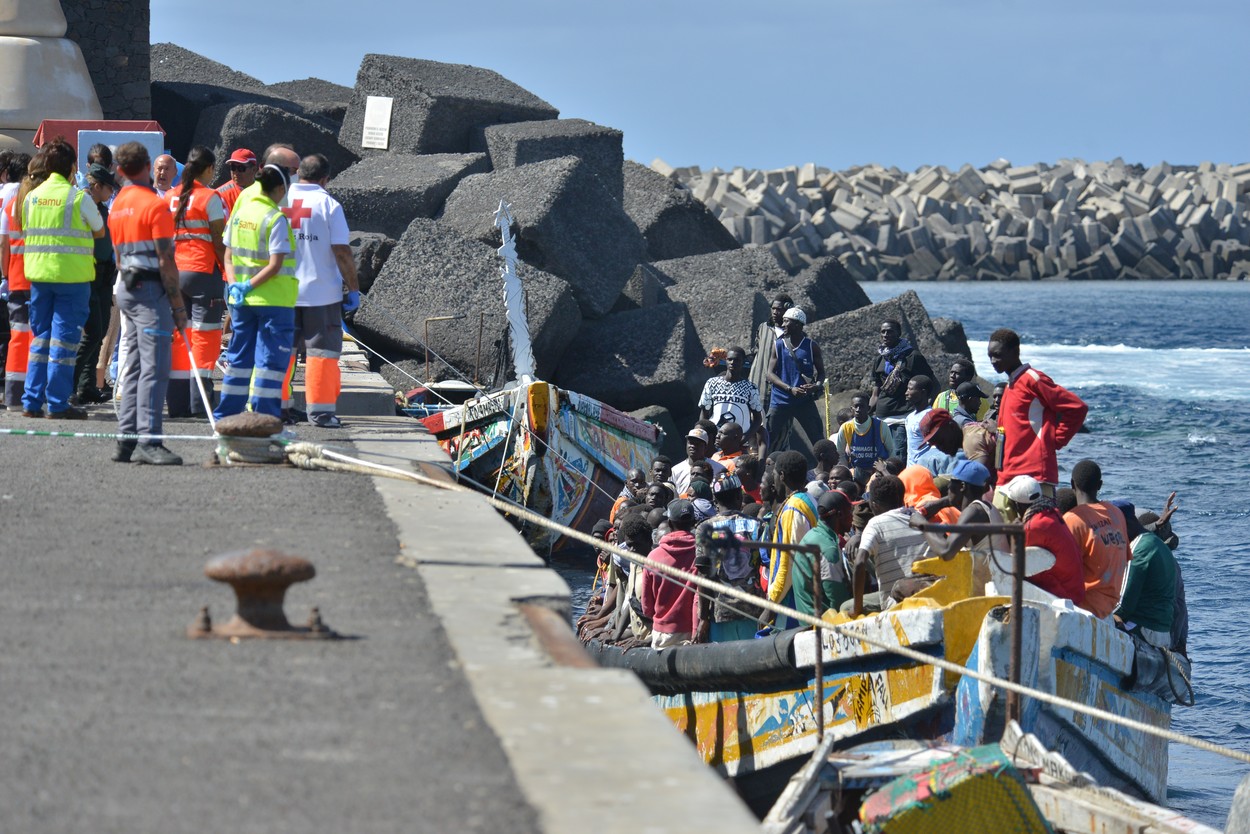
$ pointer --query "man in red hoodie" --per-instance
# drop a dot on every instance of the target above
(1035, 420)
(668, 601)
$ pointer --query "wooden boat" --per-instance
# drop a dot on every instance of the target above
(909, 785)
(749, 718)
(557, 452)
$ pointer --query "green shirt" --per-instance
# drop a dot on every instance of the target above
(1150, 590)
(834, 587)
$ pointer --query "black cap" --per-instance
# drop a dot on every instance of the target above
(681, 510)
(970, 389)
(98, 173)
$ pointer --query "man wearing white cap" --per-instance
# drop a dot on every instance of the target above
(697, 444)
(797, 373)
(1044, 527)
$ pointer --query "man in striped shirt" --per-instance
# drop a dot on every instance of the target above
(889, 543)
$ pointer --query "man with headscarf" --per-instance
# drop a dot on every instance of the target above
(797, 374)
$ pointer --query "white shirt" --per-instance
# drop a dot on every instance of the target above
(318, 222)
(681, 474)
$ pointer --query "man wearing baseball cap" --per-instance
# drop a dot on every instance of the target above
(697, 445)
(971, 401)
(243, 170)
(829, 535)
(967, 485)
(1044, 528)
(667, 601)
(943, 443)
(797, 374)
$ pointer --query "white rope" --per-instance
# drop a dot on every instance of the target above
(847, 630)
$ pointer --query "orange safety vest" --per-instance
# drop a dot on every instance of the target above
(193, 239)
(17, 263)
(229, 194)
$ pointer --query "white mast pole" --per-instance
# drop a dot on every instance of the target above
(514, 300)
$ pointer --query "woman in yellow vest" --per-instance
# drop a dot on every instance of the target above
(60, 223)
(261, 294)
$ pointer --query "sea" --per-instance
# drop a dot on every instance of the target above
(1165, 369)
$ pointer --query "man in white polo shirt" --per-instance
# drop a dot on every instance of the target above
(324, 265)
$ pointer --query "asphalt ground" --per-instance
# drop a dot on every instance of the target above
(112, 720)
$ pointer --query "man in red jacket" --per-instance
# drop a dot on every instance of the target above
(668, 601)
(1035, 420)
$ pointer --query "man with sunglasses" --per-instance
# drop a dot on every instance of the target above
(243, 170)
(281, 155)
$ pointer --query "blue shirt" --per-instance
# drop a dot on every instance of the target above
(792, 366)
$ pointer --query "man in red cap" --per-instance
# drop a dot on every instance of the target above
(243, 170)
(943, 442)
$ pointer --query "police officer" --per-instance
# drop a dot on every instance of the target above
(59, 223)
(143, 238)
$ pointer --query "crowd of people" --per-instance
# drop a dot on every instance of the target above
(138, 263)
(902, 455)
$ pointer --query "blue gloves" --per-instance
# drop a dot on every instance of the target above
(352, 303)
(237, 291)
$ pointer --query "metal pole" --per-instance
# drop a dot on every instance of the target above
(477, 365)
(427, 338)
(818, 633)
(1017, 615)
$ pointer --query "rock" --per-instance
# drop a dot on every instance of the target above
(434, 271)
(951, 336)
(436, 107)
(370, 251)
(567, 224)
(637, 358)
(385, 193)
(728, 293)
(249, 424)
(321, 100)
(255, 126)
(849, 342)
(520, 143)
(642, 290)
(672, 221)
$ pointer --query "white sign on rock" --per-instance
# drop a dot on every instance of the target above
(377, 131)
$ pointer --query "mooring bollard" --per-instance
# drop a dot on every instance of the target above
(260, 579)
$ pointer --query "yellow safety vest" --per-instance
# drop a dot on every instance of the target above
(59, 245)
(249, 252)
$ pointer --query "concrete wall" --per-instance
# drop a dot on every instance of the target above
(114, 38)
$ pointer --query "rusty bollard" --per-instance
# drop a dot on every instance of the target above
(260, 579)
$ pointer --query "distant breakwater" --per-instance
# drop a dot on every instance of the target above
(1072, 220)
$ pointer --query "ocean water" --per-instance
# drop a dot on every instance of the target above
(1165, 369)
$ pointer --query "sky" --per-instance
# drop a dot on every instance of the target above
(772, 83)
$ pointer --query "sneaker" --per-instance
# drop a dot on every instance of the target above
(71, 413)
(125, 449)
(326, 420)
(156, 455)
(103, 395)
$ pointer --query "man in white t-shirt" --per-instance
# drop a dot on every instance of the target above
(323, 264)
(889, 544)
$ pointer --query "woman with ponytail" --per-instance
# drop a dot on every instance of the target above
(199, 221)
(261, 293)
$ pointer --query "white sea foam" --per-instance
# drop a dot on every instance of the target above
(1175, 373)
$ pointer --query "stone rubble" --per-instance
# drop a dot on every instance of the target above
(1071, 220)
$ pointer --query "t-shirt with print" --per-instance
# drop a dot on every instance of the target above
(731, 401)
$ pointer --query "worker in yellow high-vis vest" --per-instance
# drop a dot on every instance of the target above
(261, 294)
(60, 223)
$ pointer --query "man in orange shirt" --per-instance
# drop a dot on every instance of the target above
(243, 172)
(1101, 533)
(143, 236)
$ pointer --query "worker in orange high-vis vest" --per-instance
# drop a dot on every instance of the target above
(199, 221)
(59, 223)
(13, 272)
(325, 268)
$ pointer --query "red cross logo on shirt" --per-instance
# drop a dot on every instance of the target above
(296, 213)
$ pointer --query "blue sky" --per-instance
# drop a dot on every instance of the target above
(771, 83)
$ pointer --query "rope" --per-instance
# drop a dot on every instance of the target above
(845, 630)
(103, 435)
(425, 385)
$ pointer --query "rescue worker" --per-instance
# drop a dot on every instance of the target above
(242, 167)
(261, 293)
(199, 221)
(13, 271)
(59, 223)
(324, 264)
(281, 156)
(149, 298)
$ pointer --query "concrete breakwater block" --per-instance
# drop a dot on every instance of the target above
(849, 341)
(598, 147)
(255, 126)
(673, 223)
(567, 224)
(321, 100)
(435, 271)
(1072, 219)
(370, 251)
(436, 107)
(637, 358)
(385, 193)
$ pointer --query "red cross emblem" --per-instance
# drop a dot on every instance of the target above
(296, 213)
